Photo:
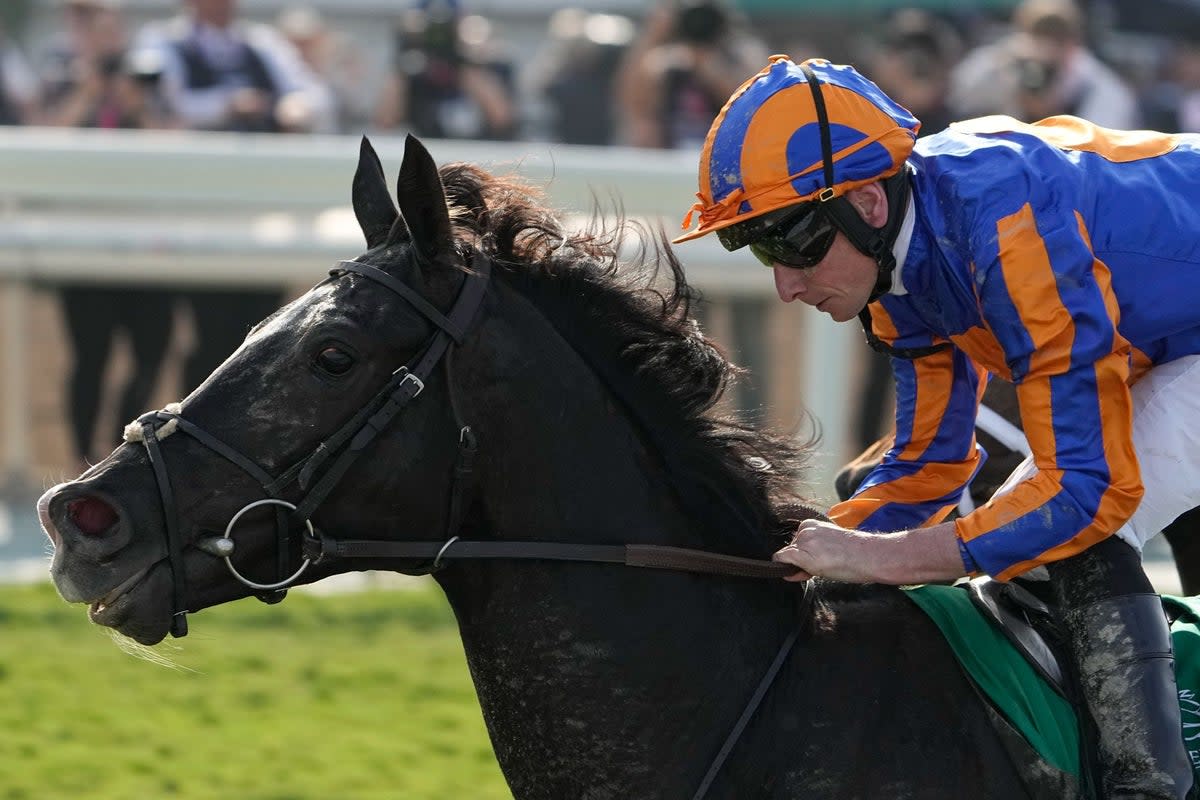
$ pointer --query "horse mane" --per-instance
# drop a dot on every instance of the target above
(636, 330)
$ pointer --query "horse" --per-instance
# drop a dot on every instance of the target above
(486, 397)
(1004, 442)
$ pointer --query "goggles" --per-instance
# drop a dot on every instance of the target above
(795, 237)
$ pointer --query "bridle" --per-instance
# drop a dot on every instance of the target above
(335, 454)
(349, 441)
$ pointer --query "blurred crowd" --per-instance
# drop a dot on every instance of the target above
(654, 81)
(597, 78)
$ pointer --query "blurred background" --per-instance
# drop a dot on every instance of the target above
(172, 170)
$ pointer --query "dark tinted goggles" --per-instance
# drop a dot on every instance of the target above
(800, 240)
(740, 234)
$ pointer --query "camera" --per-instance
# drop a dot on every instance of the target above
(440, 37)
(423, 35)
(700, 21)
(1034, 75)
(145, 66)
(109, 65)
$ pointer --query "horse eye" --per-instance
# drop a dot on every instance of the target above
(335, 361)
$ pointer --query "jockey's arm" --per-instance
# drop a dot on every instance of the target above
(920, 555)
(1051, 311)
(933, 455)
(1048, 303)
(889, 532)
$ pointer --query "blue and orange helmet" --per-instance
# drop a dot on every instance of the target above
(764, 151)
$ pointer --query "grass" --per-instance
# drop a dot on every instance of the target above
(350, 697)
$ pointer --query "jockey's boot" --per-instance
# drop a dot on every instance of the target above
(1122, 650)
(1127, 674)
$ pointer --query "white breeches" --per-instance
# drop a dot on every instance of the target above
(1166, 439)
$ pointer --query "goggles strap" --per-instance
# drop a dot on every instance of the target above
(823, 125)
(876, 242)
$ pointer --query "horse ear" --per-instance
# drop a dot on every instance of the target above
(373, 206)
(423, 201)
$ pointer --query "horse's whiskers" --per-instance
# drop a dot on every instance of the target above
(154, 656)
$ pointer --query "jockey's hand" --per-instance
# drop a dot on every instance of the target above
(831, 551)
(825, 549)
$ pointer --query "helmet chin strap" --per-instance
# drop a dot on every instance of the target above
(874, 242)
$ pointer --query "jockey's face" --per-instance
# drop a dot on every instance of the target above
(841, 283)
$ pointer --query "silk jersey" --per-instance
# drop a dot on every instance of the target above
(1064, 258)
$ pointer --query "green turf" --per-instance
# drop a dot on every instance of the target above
(353, 696)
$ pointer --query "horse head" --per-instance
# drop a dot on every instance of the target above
(301, 376)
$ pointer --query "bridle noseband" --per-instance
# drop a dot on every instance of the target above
(342, 448)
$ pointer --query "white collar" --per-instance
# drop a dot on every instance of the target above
(900, 248)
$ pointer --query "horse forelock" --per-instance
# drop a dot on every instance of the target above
(624, 284)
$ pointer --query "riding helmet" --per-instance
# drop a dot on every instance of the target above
(764, 150)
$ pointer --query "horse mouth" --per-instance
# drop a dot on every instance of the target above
(129, 608)
(98, 608)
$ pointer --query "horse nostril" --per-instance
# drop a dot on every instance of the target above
(90, 515)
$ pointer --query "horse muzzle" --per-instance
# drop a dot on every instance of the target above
(95, 562)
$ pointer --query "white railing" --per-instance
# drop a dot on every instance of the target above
(186, 208)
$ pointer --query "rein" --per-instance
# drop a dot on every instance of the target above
(679, 559)
(351, 439)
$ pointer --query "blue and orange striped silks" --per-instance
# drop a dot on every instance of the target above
(1062, 257)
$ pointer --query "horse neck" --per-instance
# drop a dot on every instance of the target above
(576, 664)
(558, 456)
(601, 676)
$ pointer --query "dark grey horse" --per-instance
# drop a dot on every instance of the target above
(572, 401)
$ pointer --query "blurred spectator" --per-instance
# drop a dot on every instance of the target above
(691, 55)
(95, 316)
(223, 74)
(336, 61)
(86, 81)
(574, 76)
(219, 73)
(913, 61)
(445, 82)
(1173, 104)
(92, 82)
(1043, 68)
(18, 84)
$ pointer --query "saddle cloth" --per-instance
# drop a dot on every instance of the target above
(1020, 687)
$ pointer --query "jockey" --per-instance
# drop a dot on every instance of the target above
(1059, 256)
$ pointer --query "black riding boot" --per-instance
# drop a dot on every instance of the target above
(1122, 650)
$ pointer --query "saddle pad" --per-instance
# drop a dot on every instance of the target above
(1185, 637)
(1044, 717)
(1017, 691)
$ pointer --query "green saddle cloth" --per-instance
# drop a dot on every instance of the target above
(1023, 696)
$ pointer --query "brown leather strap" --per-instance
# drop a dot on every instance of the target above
(632, 555)
(685, 560)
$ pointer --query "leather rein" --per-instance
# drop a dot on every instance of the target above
(346, 444)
